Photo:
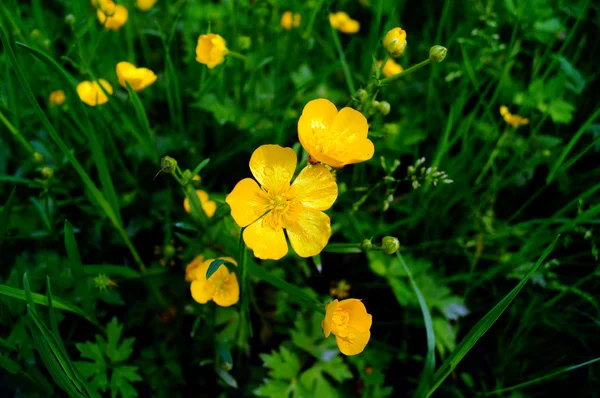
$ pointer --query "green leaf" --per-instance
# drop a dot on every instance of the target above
(113, 350)
(273, 389)
(561, 111)
(283, 365)
(72, 249)
(121, 379)
(227, 378)
(140, 112)
(9, 365)
(200, 166)
(483, 325)
(5, 216)
(336, 368)
(214, 266)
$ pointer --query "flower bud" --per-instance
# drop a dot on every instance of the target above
(47, 172)
(187, 175)
(38, 157)
(35, 34)
(169, 164)
(362, 95)
(395, 42)
(245, 42)
(384, 107)
(366, 245)
(437, 54)
(390, 245)
(70, 19)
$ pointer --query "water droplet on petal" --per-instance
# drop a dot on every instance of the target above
(269, 171)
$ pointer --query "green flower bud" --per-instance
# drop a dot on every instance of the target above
(245, 42)
(47, 172)
(35, 34)
(366, 245)
(70, 19)
(38, 157)
(169, 251)
(437, 54)
(384, 107)
(168, 164)
(362, 95)
(390, 245)
(187, 175)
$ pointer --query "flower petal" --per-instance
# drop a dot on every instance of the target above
(229, 292)
(308, 229)
(360, 320)
(350, 124)
(273, 166)
(316, 116)
(202, 291)
(329, 311)
(190, 270)
(360, 150)
(354, 344)
(315, 187)
(268, 243)
(247, 201)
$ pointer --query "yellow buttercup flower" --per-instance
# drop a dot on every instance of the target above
(138, 78)
(113, 16)
(190, 270)
(92, 94)
(275, 205)
(145, 5)
(57, 97)
(395, 42)
(208, 205)
(513, 120)
(342, 22)
(350, 323)
(222, 287)
(332, 137)
(390, 68)
(108, 6)
(289, 20)
(211, 50)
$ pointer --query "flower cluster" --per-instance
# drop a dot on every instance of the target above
(418, 174)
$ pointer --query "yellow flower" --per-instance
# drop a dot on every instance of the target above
(57, 97)
(276, 205)
(350, 323)
(113, 16)
(513, 120)
(391, 68)
(208, 205)
(211, 50)
(342, 22)
(145, 5)
(108, 6)
(92, 94)
(289, 20)
(395, 42)
(332, 137)
(190, 270)
(222, 287)
(138, 78)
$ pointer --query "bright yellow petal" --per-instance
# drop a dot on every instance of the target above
(351, 26)
(359, 151)
(350, 124)
(315, 187)
(122, 69)
(209, 208)
(190, 270)
(247, 201)
(308, 229)
(273, 166)
(360, 320)
(202, 291)
(268, 243)
(229, 292)
(329, 311)
(354, 344)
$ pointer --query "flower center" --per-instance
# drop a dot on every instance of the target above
(279, 204)
(341, 318)
(328, 141)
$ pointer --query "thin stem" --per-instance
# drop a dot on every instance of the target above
(237, 55)
(17, 134)
(404, 72)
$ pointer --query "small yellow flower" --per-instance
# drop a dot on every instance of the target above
(342, 22)
(208, 205)
(289, 20)
(513, 120)
(391, 68)
(145, 5)
(222, 287)
(192, 266)
(112, 16)
(211, 50)
(92, 94)
(350, 323)
(138, 78)
(395, 42)
(275, 205)
(57, 97)
(332, 137)
(108, 6)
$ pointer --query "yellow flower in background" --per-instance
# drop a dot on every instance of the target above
(138, 78)
(275, 205)
(108, 6)
(332, 137)
(390, 68)
(350, 323)
(208, 205)
(342, 22)
(222, 287)
(289, 20)
(92, 94)
(513, 120)
(211, 50)
(145, 5)
(112, 17)
(192, 266)
(395, 42)
(57, 97)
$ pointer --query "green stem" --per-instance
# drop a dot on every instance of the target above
(404, 72)
(237, 55)
(17, 134)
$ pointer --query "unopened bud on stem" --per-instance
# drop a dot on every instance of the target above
(437, 54)
(390, 245)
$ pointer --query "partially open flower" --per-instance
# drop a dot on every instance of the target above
(289, 20)
(208, 205)
(211, 50)
(342, 22)
(92, 94)
(57, 97)
(138, 78)
(145, 5)
(350, 323)
(390, 68)
(222, 287)
(113, 16)
(332, 137)
(395, 42)
(190, 270)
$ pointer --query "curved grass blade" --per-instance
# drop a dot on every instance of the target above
(429, 367)
(72, 249)
(200, 166)
(483, 325)
(5, 216)
(141, 115)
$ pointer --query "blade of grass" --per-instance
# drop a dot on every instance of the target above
(5, 216)
(482, 326)
(342, 56)
(141, 115)
(17, 134)
(72, 250)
